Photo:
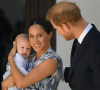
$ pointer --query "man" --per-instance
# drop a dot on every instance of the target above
(84, 73)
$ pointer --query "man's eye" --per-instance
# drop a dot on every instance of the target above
(22, 47)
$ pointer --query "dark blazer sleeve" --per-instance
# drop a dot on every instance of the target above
(95, 67)
(94, 59)
(66, 73)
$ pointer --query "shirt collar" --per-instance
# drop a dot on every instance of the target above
(87, 29)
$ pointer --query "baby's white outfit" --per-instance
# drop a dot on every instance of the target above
(21, 63)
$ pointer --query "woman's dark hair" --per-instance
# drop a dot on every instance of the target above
(47, 26)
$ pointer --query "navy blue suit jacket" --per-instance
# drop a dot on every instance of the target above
(84, 73)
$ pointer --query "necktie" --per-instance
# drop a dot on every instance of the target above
(75, 47)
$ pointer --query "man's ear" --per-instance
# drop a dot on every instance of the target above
(66, 26)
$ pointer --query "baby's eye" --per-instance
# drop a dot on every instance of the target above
(28, 48)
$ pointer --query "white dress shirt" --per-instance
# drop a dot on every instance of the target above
(86, 30)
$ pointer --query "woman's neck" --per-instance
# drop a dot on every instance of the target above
(39, 54)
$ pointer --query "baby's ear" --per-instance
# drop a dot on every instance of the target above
(14, 44)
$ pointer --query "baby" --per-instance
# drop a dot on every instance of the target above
(21, 57)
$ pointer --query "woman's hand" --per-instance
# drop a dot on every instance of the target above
(12, 52)
(8, 82)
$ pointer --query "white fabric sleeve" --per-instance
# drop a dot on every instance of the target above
(20, 63)
(7, 72)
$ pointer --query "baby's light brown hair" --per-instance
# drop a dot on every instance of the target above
(22, 36)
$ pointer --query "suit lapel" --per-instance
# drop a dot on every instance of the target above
(77, 57)
(80, 51)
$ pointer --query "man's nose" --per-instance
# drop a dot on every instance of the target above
(58, 31)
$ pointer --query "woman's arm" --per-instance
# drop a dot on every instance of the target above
(43, 70)
(8, 82)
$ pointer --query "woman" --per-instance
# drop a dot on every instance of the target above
(46, 67)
